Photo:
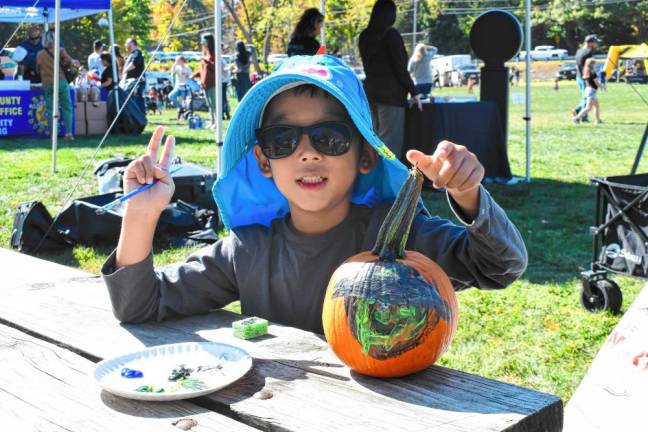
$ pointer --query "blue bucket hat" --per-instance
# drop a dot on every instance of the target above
(244, 196)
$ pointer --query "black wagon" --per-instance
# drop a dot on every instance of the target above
(620, 239)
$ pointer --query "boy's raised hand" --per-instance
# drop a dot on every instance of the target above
(454, 168)
(145, 169)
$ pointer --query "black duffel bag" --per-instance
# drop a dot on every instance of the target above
(32, 222)
(132, 119)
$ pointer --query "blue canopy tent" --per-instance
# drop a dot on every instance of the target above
(53, 12)
(17, 11)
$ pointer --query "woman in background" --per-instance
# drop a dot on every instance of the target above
(420, 68)
(242, 62)
(302, 40)
(107, 80)
(207, 74)
(120, 61)
(592, 84)
(387, 81)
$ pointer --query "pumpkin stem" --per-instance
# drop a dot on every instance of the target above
(394, 231)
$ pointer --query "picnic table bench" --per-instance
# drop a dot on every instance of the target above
(56, 323)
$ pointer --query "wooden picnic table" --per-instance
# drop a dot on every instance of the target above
(56, 323)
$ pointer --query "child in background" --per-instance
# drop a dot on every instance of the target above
(154, 102)
(305, 184)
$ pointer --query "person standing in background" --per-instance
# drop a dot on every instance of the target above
(592, 84)
(602, 78)
(120, 61)
(207, 75)
(243, 82)
(420, 68)
(94, 59)
(133, 69)
(181, 73)
(584, 53)
(45, 66)
(33, 45)
(387, 81)
(226, 78)
(302, 41)
(107, 80)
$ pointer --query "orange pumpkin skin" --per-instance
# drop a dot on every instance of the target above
(432, 343)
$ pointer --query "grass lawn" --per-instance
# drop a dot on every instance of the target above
(534, 333)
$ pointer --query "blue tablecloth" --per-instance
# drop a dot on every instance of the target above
(475, 125)
(24, 113)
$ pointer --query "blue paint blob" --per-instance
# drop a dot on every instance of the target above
(131, 373)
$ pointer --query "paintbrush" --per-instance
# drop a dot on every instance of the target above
(103, 209)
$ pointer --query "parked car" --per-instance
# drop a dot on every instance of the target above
(545, 52)
(567, 71)
(277, 59)
(465, 72)
(162, 56)
(156, 79)
(191, 55)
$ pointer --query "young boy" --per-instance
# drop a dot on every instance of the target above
(304, 184)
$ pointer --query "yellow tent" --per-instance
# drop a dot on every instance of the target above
(622, 52)
(638, 52)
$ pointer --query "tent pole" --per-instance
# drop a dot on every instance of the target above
(218, 87)
(55, 99)
(414, 25)
(527, 99)
(640, 151)
(114, 58)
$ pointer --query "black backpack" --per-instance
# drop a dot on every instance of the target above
(31, 223)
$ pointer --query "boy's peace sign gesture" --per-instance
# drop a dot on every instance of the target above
(145, 169)
(454, 168)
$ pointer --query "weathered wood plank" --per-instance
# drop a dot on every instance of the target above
(47, 388)
(307, 380)
(613, 395)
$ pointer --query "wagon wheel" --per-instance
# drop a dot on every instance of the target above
(606, 295)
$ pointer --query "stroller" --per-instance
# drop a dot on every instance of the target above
(194, 101)
(621, 229)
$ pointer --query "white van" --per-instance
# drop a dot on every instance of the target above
(442, 68)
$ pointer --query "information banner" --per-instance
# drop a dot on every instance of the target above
(24, 113)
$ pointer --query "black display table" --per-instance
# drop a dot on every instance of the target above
(475, 125)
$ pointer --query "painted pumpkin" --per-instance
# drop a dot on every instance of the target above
(391, 312)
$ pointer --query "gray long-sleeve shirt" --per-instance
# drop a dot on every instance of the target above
(280, 274)
(422, 70)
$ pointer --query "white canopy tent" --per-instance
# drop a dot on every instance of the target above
(53, 12)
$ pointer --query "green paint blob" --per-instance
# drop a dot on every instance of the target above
(384, 331)
(149, 389)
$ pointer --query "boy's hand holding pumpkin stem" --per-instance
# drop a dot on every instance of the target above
(454, 168)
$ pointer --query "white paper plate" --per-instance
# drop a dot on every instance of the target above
(225, 364)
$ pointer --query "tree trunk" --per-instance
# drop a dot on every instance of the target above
(642, 28)
(246, 32)
(268, 30)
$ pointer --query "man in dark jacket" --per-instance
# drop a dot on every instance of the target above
(133, 68)
(27, 67)
(387, 81)
(587, 51)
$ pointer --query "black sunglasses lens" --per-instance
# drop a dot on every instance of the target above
(331, 139)
(278, 142)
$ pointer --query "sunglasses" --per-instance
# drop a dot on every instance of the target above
(328, 138)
